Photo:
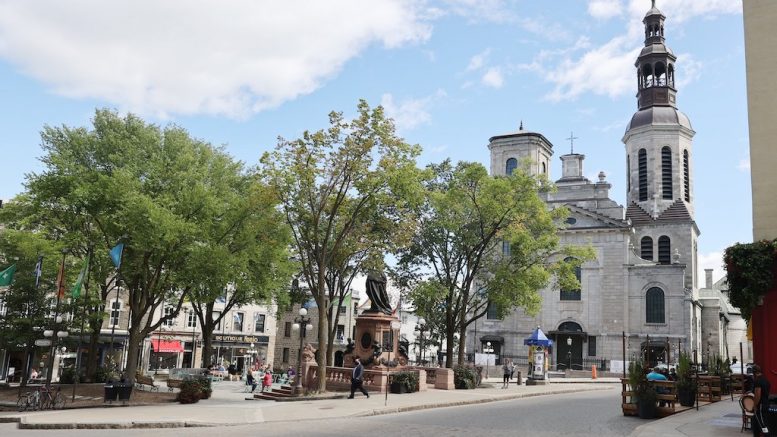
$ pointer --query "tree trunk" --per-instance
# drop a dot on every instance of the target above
(449, 341)
(133, 352)
(207, 343)
(462, 342)
(91, 358)
(323, 334)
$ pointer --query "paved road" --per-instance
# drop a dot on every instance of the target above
(579, 414)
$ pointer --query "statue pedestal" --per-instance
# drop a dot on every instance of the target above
(372, 327)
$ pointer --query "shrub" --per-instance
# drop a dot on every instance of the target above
(69, 376)
(408, 379)
(464, 377)
(684, 373)
(191, 392)
(205, 387)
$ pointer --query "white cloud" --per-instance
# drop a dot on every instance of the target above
(608, 69)
(477, 61)
(408, 114)
(712, 260)
(744, 165)
(605, 9)
(198, 56)
(493, 78)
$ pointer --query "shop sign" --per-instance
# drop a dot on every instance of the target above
(242, 338)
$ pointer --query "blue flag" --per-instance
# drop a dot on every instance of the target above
(116, 253)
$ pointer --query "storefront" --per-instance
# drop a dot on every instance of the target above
(244, 351)
(165, 354)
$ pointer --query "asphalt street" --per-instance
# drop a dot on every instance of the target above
(594, 413)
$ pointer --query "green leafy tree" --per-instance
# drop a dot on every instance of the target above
(485, 240)
(159, 191)
(27, 307)
(344, 191)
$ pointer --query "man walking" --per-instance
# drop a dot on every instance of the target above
(761, 388)
(357, 378)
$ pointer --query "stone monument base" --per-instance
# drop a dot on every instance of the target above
(373, 335)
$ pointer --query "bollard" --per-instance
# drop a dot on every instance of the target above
(593, 371)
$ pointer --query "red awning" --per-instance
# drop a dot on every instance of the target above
(166, 346)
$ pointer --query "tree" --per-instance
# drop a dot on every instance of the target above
(485, 241)
(27, 306)
(157, 190)
(247, 249)
(343, 191)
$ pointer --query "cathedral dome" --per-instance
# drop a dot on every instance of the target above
(659, 116)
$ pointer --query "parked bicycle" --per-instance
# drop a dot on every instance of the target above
(41, 398)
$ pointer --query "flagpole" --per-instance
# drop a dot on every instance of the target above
(83, 319)
(118, 289)
(54, 337)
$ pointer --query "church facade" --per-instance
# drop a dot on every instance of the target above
(643, 281)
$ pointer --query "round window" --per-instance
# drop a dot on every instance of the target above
(366, 340)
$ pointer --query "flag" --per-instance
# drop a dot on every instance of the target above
(61, 280)
(116, 253)
(76, 292)
(6, 276)
(38, 271)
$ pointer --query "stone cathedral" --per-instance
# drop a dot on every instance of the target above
(643, 281)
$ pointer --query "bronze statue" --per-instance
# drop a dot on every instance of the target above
(376, 292)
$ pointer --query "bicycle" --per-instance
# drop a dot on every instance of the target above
(51, 398)
(28, 400)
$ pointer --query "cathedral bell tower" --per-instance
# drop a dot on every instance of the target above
(659, 137)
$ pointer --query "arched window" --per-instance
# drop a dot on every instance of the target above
(570, 327)
(660, 74)
(647, 75)
(666, 172)
(642, 175)
(572, 294)
(646, 248)
(664, 250)
(511, 165)
(544, 169)
(686, 177)
(670, 75)
(654, 306)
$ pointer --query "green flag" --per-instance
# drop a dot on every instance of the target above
(76, 292)
(6, 276)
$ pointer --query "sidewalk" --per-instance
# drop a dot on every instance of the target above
(228, 406)
(723, 418)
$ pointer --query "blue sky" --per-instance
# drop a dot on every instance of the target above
(452, 73)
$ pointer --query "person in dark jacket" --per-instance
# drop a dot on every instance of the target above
(761, 389)
(357, 379)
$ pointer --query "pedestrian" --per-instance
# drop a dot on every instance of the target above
(267, 379)
(512, 370)
(761, 388)
(357, 379)
(250, 380)
(291, 373)
(505, 373)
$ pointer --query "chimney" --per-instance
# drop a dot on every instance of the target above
(708, 278)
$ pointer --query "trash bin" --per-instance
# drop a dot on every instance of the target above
(124, 391)
(771, 418)
(110, 392)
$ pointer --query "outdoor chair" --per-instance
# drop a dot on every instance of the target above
(747, 403)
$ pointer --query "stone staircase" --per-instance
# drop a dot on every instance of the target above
(281, 392)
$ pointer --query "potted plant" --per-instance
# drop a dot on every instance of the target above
(404, 382)
(644, 393)
(686, 389)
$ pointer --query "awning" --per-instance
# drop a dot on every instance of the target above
(166, 346)
(569, 333)
(492, 338)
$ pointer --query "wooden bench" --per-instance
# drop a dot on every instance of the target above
(173, 383)
(141, 381)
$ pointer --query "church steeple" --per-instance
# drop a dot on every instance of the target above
(655, 64)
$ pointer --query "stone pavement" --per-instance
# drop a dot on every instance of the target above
(723, 418)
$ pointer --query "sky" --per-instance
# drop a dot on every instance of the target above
(451, 73)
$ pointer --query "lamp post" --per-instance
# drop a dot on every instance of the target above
(569, 352)
(159, 341)
(301, 324)
(488, 350)
(421, 327)
(49, 334)
(395, 325)
(191, 316)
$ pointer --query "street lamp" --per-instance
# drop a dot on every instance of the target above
(569, 352)
(421, 327)
(301, 324)
(50, 334)
(395, 325)
(488, 350)
(191, 316)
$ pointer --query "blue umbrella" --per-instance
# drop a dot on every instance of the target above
(538, 338)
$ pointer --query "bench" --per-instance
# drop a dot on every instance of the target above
(141, 381)
(173, 383)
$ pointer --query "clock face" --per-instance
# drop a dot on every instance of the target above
(366, 340)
